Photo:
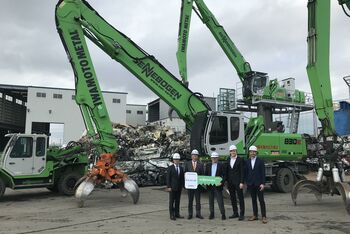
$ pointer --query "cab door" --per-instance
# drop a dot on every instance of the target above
(39, 157)
(19, 159)
(222, 131)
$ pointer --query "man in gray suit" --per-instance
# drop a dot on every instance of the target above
(194, 166)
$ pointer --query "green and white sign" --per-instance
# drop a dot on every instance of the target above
(192, 180)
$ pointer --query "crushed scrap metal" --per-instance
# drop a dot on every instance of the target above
(145, 151)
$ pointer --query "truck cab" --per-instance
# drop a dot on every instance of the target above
(24, 154)
(223, 130)
(27, 162)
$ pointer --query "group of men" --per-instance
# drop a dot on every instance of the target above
(236, 172)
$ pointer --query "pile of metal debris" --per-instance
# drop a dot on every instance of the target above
(145, 151)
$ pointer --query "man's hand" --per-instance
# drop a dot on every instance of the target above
(241, 185)
(262, 187)
(168, 189)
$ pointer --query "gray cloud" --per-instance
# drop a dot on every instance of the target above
(270, 34)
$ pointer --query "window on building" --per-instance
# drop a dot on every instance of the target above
(42, 95)
(57, 96)
(0, 95)
(8, 98)
(140, 112)
(116, 100)
(73, 97)
(128, 111)
(19, 102)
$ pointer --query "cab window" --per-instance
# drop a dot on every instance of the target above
(219, 131)
(23, 148)
(40, 147)
(234, 122)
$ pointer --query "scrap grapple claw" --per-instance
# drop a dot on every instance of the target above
(84, 189)
(133, 189)
(317, 188)
(344, 190)
(309, 185)
(104, 171)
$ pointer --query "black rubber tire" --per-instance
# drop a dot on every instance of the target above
(2, 188)
(285, 180)
(66, 183)
(53, 189)
(274, 186)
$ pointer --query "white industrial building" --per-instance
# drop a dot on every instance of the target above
(42, 106)
(158, 113)
(136, 114)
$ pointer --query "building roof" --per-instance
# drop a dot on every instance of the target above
(21, 91)
(136, 105)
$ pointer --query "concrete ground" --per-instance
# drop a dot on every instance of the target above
(40, 211)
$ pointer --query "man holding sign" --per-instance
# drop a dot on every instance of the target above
(194, 166)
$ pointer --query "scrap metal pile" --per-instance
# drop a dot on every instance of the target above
(145, 151)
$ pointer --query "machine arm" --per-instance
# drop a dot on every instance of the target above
(318, 63)
(344, 3)
(252, 81)
(88, 93)
(184, 30)
(76, 18)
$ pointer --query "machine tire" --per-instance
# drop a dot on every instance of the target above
(53, 188)
(2, 188)
(66, 183)
(285, 180)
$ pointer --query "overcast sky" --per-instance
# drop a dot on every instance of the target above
(271, 34)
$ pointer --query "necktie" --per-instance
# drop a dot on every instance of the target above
(194, 166)
(177, 170)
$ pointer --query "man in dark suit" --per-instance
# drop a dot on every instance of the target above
(255, 179)
(175, 182)
(216, 169)
(235, 180)
(194, 166)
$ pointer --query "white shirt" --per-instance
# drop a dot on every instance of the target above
(232, 161)
(252, 161)
(214, 167)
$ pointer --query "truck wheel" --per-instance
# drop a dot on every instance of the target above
(66, 183)
(2, 188)
(53, 188)
(285, 180)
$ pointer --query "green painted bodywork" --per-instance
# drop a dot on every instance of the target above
(59, 161)
(76, 17)
(272, 90)
(318, 63)
(281, 146)
(275, 92)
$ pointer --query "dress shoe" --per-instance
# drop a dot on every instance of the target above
(241, 218)
(253, 218)
(264, 220)
(233, 216)
(172, 218)
(223, 217)
(211, 216)
(199, 216)
(189, 217)
(179, 216)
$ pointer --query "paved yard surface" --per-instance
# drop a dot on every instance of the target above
(40, 211)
